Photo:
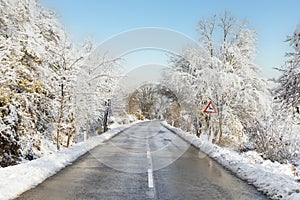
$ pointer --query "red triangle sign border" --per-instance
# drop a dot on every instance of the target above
(210, 108)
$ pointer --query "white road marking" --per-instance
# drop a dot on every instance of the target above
(150, 178)
(150, 167)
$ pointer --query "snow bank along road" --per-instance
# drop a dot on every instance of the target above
(146, 161)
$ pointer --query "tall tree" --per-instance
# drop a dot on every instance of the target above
(223, 71)
(27, 34)
(289, 89)
(39, 66)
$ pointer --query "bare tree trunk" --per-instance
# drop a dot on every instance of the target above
(220, 129)
(57, 139)
(71, 131)
(105, 120)
(220, 104)
(210, 132)
(60, 118)
(69, 138)
(197, 127)
(87, 127)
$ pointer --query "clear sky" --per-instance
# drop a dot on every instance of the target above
(101, 19)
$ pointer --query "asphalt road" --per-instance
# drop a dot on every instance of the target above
(146, 161)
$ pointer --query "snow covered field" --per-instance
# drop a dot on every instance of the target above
(276, 180)
(15, 180)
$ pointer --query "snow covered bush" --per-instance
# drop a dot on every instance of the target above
(272, 139)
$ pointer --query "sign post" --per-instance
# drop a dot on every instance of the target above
(210, 109)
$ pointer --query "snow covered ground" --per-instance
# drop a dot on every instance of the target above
(17, 179)
(276, 180)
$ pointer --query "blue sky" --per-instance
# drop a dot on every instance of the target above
(272, 19)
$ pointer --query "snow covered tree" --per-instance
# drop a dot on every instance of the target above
(39, 67)
(26, 113)
(152, 101)
(289, 90)
(222, 71)
(94, 87)
(278, 138)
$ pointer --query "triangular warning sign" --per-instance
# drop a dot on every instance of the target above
(210, 108)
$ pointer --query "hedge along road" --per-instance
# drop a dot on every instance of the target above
(146, 161)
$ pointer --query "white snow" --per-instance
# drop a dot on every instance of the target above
(15, 180)
(272, 178)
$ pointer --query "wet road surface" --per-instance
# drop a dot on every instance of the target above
(146, 161)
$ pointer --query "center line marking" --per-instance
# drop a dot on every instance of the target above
(150, 167)
(148, 155)
(150, 178)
